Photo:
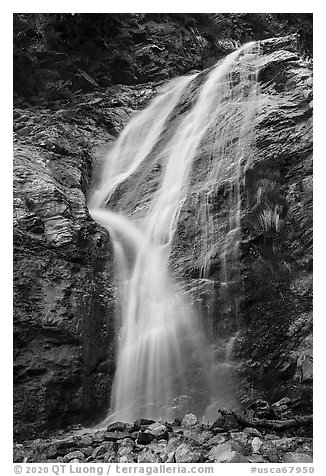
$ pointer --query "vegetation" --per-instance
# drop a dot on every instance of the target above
(57, 54)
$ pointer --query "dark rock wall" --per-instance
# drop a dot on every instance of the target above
(277, 232)
(271, 305)
(63, 271)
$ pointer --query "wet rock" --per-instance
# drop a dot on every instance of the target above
(52, 450)
(116, 435)
(99, 436)
(158, 447)
(252, 432)
(19, 453)
(110, 457)
(270, 437)
(75, 460)
(256, 444)
(167, 456)
(199, 437)
(256, 459)
(189, 420)
(239, 436)
(125, 447)
(240, 447)
(86, 441)
(286, 444)
(87, 450)
(269, 451)
(147, 456)
(144, 438)
(129, 458)
(216, 440)
(226, 422)
(117, 426)
(291, 457)
(103, 448)
(142, 422)
(157, 430)
(225, 454)
(73, 455)
(187, 454)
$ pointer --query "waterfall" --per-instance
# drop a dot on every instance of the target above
(164, 364)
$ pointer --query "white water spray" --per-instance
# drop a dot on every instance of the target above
(164, 367)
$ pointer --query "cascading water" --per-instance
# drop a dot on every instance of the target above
(164, 365)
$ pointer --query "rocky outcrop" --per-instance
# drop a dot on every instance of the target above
(271, 305)
(276, 250)
(197, 443)
(63, 272)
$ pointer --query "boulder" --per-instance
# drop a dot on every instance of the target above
(147, 456)
(252, 432)
(117, 426)
(187, 454)
(157, 430)
(225, 454)
(189, 420)
(144, 438)
(256, 444)
(216, 440)
(291, 457)
(239, 436)
(74, 455)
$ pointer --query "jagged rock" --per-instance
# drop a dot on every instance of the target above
(200, 437)
(252, 432)
(186, 454)
(116, 435)
(239, 436)
(158, 447)
(225, 454)
(269, 437)
(286, 444)
(52, 450)
(125, 447)
(87, 450)
(74, 455)
(19, 453)
(147, 456)
(269, 451)
(256, 459)
(157, 430)
(129, 458)
(256, 444)
(144, 438)
(240, 447)
(167, 456)
(110, 457)
(117, 426)
(226, 422)
(86, 441)
(216, 440)
(291, 457)
(99, 436)
(142, 422)
(189, 420)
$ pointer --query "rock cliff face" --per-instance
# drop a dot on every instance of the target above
(63, 272)
(271, 304)
(63, 276)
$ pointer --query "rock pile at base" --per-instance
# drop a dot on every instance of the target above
(186, 441)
